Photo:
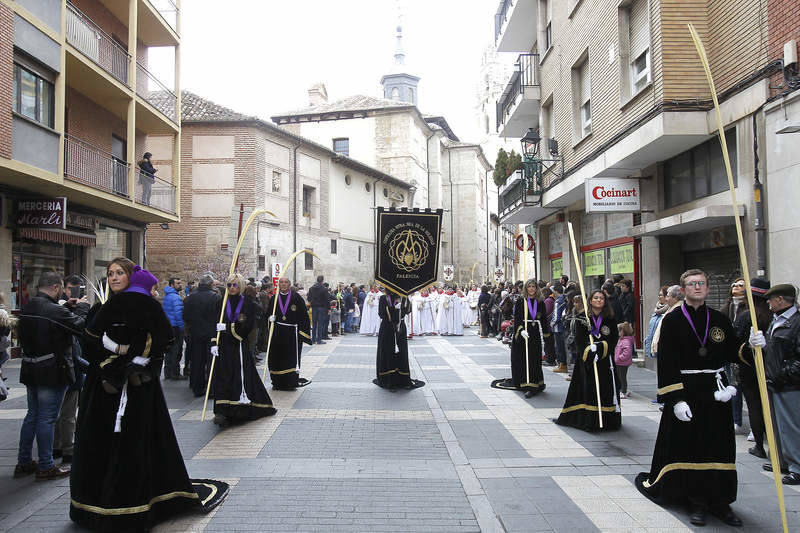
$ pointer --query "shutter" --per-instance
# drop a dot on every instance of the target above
(639, 28)
(586, 89)
(722, 267)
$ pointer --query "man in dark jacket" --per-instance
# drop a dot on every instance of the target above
(782, 368)
(45, 333)
(173, 307)
(627, 302)
(200, 315)
(319, 299)
(613, 302)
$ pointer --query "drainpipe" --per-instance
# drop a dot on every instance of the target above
(486, 192)
(760, 227)
(294, 208)
(428, 165)
(450, 179)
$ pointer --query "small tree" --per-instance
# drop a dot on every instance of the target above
(514, 163)
(500, 168)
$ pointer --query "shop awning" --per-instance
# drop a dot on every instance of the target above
(57, 235)
(699, 219)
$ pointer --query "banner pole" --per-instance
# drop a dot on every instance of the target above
(757, 353)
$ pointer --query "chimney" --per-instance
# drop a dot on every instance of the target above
(317, 94)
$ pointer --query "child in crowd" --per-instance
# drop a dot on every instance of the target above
(623, 356)
(336, 318)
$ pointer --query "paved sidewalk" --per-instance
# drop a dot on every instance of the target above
(457, 455)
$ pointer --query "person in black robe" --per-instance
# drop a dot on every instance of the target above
(291, 328)
(392, 358)
(127, 471)
(526, 363)
(238, 392)
(580, 408)
(694, 460)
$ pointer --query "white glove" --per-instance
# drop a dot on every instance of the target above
(272, 318)
(524, 334)
(141, 361)
(757, 339)
(112, 346)
(215, 351)
(593, 348)
(222, 326)
(682, 412)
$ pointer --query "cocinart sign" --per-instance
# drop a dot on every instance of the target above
(610, 195)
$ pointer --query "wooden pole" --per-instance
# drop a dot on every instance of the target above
(757, 354)
(586, 312)
(234, 262)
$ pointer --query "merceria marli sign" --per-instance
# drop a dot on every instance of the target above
(604, 195)
(42, 213)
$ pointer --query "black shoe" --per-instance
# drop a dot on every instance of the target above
(768, 468)
(56, 453)
(791, 478)
(531, 393)
(758, 452)
(697, 515)
(25, 470)
(726, 514)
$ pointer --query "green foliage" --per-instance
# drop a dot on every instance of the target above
(500, 166)
(514, 163)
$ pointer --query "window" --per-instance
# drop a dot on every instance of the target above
(342, 146)
(347, 179)
(368, 186)
(395, 93)
(308, 201)
(411, 95)
(333, 246)
(634, 48)
(276, 181)
(309, 259)
(548, 127)
(581, 98)
(385, 192)
(548, 32)
(699, 172)
(262, 262)
(33, 95)
(359, 254)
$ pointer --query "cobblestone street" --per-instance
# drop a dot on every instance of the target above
(456, 455)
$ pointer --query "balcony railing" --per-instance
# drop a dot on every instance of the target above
(168, 11)
(526, 74)
(500, 17)
(97, 45)
(526, 191)
(87, 164)
(155, 93)
(154, 192)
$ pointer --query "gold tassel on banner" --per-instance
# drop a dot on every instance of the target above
(250, 220)
(758, 356)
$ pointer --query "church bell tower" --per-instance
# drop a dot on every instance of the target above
(400, 85)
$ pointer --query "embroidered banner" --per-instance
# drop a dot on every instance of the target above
(408, 249)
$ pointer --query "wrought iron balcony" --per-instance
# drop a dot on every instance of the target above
(87, 164)
(154, 192)
(501, 16)
(523, 192)
(155, 93)
(518, 106)
(96, 45)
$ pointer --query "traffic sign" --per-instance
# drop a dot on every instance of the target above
(519, 241)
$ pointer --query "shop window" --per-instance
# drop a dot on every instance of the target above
(699, 172)
(111, 243)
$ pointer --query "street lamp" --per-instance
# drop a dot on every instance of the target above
(532, 165)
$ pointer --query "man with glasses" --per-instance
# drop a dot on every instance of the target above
(782, 368)
(694, 460)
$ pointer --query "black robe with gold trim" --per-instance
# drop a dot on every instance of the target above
(236, 368)
(580, 407)
(392, 365)
(289, 333)
(131, 479)
(520, 368)
(695, 459)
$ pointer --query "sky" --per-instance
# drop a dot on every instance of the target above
(260, 57)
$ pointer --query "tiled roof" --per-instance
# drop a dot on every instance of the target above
(357, 102)
(197, 109)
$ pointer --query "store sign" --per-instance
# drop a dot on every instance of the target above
(78, 220)
(557, 268)
(594, 263)
(621, 259)
(607, 195)
(42, 213)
